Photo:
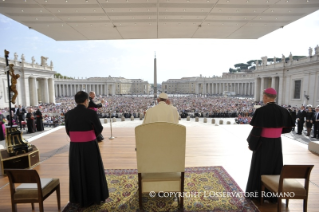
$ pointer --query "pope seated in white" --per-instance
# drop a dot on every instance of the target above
(162, 112)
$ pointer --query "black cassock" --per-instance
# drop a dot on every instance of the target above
(267, 152)
(40, 126)
(95, 107)
(87, 178)
(2, 128)
(30, 123)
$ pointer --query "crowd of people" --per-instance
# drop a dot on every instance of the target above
(193, 106)
(241, 109)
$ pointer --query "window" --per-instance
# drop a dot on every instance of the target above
(297, 89)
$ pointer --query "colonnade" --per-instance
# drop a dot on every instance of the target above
(40, 90)
(265, 82)
(241, 88)
(70, 89)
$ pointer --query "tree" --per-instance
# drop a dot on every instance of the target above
(241, 66)
(58, 75)
(251, 64)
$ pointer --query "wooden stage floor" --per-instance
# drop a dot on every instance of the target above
(207, 145)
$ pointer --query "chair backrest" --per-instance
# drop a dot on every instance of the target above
(296, 171)
(160, 147)
(23, 176)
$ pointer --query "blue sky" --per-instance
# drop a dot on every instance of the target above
(133, 59)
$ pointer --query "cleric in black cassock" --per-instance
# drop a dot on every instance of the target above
(39, 122)
(269, 122)
(30, 122)
(95, 107)
(87, 178)
(2, 127)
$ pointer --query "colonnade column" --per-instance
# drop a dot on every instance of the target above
(51, 91)
(63, 90)
(196, 88)
(113, 89)
(262, 87)
(273, 82)
(46, 90)
(256, 90)
(279, 92)
(244, 88)
(204, 88)
(34, 92)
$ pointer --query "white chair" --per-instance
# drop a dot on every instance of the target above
(160, 153)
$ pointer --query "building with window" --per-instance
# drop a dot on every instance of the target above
(296, 81)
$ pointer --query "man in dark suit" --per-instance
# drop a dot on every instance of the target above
(316, 123)
(21, 114)
(293, 115)
(301, 119)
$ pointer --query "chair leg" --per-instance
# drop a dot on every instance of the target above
(305, 203)
(140, 191)
(182, 189)
(58, 196)
(182, 203)
(14, 207)
(279, 205)
(32, 205)
(261, 196)
(287, 202)
(41, 205)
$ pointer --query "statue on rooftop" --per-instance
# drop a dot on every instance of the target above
(44, 61)
(317, 50)
(310, 52)
(15, 56)
(283, 59)
(22, 58)
(33, 60)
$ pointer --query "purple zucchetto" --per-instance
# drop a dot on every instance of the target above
(270, 91)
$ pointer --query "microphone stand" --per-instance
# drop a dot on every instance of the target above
(112, 137)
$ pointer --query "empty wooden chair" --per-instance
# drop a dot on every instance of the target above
(33, 189)
(286, 187)
(160, 152)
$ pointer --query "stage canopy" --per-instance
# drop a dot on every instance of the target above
(152, 19)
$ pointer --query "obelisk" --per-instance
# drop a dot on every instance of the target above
(155, 77)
